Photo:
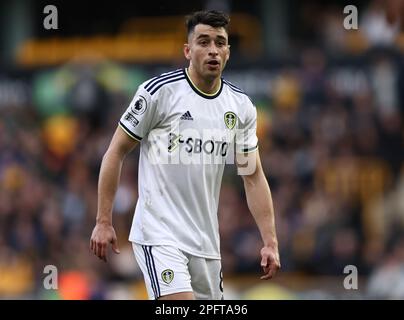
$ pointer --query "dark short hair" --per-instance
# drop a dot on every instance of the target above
(212, 18)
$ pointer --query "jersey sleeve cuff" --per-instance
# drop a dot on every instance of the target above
(129, 133)
(248, 150)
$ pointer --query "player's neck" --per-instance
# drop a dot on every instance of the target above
(208, 86)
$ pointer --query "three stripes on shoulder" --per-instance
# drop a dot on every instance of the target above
(157, 82)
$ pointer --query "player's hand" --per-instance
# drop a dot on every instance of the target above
(102, 235)
(270, 262)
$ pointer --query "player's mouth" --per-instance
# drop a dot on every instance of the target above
(213, 64)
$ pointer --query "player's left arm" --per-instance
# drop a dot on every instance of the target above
(259, 202)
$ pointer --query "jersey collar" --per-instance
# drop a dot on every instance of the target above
(198, 91)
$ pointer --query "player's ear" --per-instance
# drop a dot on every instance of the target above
(187, 51)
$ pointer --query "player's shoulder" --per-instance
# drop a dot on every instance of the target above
(153, 85)
(236, 91)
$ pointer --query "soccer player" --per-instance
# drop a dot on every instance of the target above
(186, 122)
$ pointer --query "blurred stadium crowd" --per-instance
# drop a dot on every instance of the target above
(331, 140)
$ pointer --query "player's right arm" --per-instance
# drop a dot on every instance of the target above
(140, 117)
(110, 172)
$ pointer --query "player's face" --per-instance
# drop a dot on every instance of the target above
(208, 50)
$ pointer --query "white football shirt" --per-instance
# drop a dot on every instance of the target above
(186, 137)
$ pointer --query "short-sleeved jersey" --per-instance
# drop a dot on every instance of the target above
(186, 138)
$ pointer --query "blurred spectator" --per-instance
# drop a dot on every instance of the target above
(376, 27)
(387, 281)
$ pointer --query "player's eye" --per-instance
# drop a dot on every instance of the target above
(203, 42)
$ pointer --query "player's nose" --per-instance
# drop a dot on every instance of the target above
(213, 50)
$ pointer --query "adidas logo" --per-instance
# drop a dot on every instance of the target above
(187, 116)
